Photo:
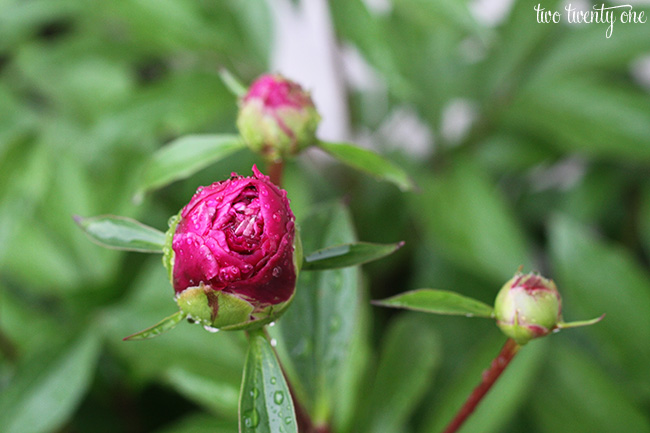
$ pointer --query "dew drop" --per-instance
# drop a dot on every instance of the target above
(276, 216)
(199, 190)
(211, 329)
(274, 342)
(255, 392)
(277, 271)
(469, 315)
(271, 325)
(251, 418)
(278, 397)
(273, 380)
(288, 420)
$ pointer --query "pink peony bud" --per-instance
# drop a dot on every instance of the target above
(277, 118)
(233, 260)
(528, 306)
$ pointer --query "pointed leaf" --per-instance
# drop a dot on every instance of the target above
(265, 404)
(161, 327)
(185, 156)
(369, 162)
(438, 302)
(122, 233)
(578, 323)
(342, 256)
(233, 84)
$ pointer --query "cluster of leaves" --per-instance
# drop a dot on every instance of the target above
(552, 175)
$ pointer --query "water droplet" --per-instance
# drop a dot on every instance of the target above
(277, 271)
(255, 392)
(274, 342)
(469, 315)
(273, 380)
(251, 418)
(276, 216)
(556, 330)
(271, 325)
(288, 420)
(199, 190)
(210, 329)
(278, 397)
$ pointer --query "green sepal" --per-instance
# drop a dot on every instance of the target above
(159, 328)
(168, 251)
(579, 323)
(214, 308)
(438, 302)
(352, 254)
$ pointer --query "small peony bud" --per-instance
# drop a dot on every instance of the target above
(277, 118)
(528, 306)
(235, 254)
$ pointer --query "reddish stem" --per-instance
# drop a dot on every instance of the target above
(489, 377)
(275, 171)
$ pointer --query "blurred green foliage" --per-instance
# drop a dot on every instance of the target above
(553, 174)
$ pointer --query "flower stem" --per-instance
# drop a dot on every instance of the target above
(275, 169)
(489, 377)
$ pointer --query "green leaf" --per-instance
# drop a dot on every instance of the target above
(46, 392)
(368, 162)
(200, 423)
(469, 222)
(122, 233)
(577, 395)
(185, 156)
(342, 256)
(166, 324)
(595, 277)
(410, 354)
(219, 397)
(265, 404)
(438, 302)
(233, 84)
(316, 333)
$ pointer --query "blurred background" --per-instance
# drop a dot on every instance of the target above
(530, 144)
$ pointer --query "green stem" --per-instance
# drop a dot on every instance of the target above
(489, 377)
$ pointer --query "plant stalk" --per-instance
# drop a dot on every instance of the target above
(489, 377)
(275, 169)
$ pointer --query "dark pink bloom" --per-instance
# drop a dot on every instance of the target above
(237, 237)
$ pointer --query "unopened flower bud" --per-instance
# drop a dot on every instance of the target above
(528, 306)
(235, 254)
(277, 118)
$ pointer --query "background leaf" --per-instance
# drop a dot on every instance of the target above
(315, 334)
(52, 389)
(185, 156)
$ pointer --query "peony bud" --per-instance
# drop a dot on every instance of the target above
(277, 118)
(528, 306)
(233, 260)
